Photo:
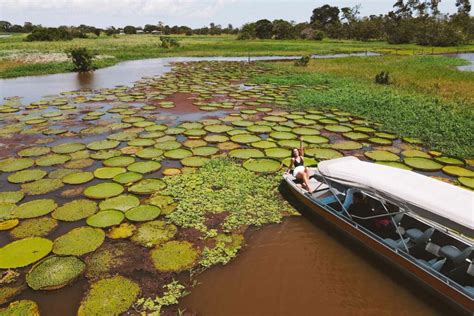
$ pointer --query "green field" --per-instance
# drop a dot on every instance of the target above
(428, 98)
(129, 47)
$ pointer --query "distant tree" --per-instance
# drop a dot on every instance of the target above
(15, 28)
(150, 28)
(111, 31)
(82, 58)
(325, 16)
(247, 32)
(283, 30)
(464, 6)
(28, 27)
(50, 34)
(5, 26)
(130, 29)
(263, 29)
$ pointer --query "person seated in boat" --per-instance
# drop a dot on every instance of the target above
(300, 172)
(361, 209)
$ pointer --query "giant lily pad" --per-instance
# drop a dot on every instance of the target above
(21, 308)
(23, 252)
(262, 165)
(103, 190)
(54, 272)
(194, 161)
(423, 164)
(346, 145)
(11, 196)
(457, 171)
(108, 172)
(263, 144)
(178, 153)
(147, 186)
(68, 148)
(75, 210)
(78, 177)
(144, 166)
(35, 208)
(312, 139)
(110, 296)
(121, 203)
(79, 241)
(277, 153)
(205, 151)
(52, 159)
(105, 218)
(41, 186)
(128, 177)
(149, 153)
(120, 161)
(28, 175)
(415, 153)
(143, 213)
(246, 153)
(15, 164)
(450, 161)
(35, 227)
(174, 256)
(245, 138)
(103, 144)
(34, 151)
(323, 153)
(394, 164)
(153, 233)
(283, 135)
(467, 182)
(381, 155)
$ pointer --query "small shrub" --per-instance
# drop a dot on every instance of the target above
(318, 35)
(382, 78)
(82, 58)
(303, 61)
(169, 42)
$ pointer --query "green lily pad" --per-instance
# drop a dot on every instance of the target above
(450, 161)
(52, 159)
(380, 141)
(143, 213)
(120, 161)
(178, 153)
(78, 177)
(103, 144)
(277, 153)
(245, 138)
(355, 135)
(110, 296)
(75, 210)
(68, 148)
(79, 241)
(147, 186)
(346, 145)
(457, 171)
(54, 272)
(35, 227)
(153, 233)
(41, 186)
(34, 151)
(305, 131)
(415, 153)
(194, 161)
(260, 129)
(103, 190)
(144, 167)
(168, 145)
(216, 138)
(246, 153)
(29, 175)
(337, 128)
(121, 203)
(105, 154)
(128, 177)
(218, 128)
(467, 182)
(21, 308)
(381, 155)
(422, 164)
(174, 256)
(105, 218)
(35, 208)
(323, 153)
(205, 151)
(386, 135)
(262, 165)
(283, 135)
(15, 164)
(149, 153)
(11, 196)
(108, 172)
(23, 252)
(263, 144)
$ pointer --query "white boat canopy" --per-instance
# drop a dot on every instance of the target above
(424, 195)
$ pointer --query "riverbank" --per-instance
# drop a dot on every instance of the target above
(428, 99)
(132, 47)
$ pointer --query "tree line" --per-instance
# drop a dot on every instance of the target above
(410, 21)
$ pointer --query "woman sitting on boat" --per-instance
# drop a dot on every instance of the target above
(300, 172)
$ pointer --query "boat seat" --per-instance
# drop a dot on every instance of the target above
(417, 236)
(454, 254)
(328, 200)
(435, 264)
(397, 244)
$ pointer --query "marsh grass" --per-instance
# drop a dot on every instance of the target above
(442, 118)
(130, 47)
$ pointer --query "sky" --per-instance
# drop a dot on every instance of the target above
(193, 13)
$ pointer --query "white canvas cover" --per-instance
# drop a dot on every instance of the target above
(434, 196)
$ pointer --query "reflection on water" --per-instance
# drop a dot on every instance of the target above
(467, 56)
(86, 79)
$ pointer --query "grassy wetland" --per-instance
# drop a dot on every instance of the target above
(129, 193)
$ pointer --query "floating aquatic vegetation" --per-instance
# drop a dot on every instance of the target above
(35, 208)
(75, 210)
(110, 296)
(246, 153)
(15, 164)
(67, 148)
(41, 186)
(11, 196)
(174, 256)
(28, 175)
(147, 186)
(78, 177)
(108, 172)
(153, 233)
(415, 153)
(144, 166)
(394, 164)
(54, 272)
(323, 153)
(424, 164)
(23, 252)
(226, 249)
(79, 241)
(35, 227)
(194, 161)
(262, 165)
(8, 224)
(178, 153)
(381, 155)
(105, 218)
(121, 203)
(346, 145)
(205, 151)
(148, 153)
(143, 213)
(34, 151)
(467, 182)
(457, 171)
(103, 190)
(450, 161)
(245, 138)
(103, 144)
(21, 308)
(123, 230)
